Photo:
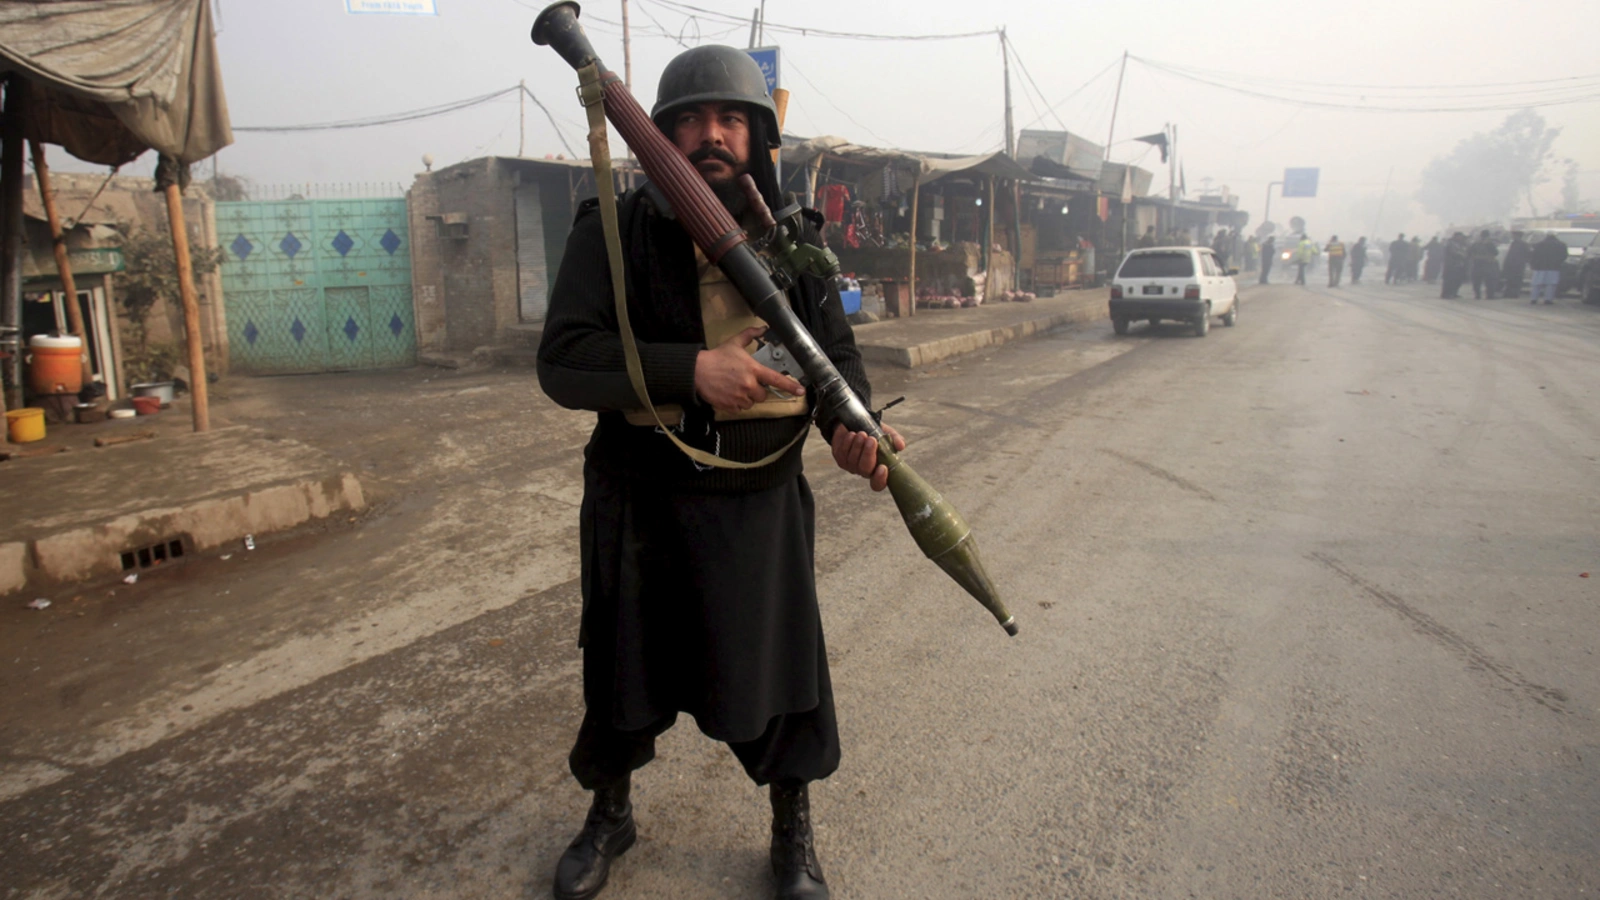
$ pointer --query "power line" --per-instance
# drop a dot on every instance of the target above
(1548, 97)
(821, 32)
(796, 69)
(1029, 76)
(389, 119)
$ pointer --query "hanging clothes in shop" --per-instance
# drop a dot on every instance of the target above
(835, 197)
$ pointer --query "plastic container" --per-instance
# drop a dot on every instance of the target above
(161, 390)
(25, 425)
(55, 364)
(89, 413)
(146, 406)
(121, 414)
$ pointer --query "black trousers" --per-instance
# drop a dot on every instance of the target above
(1300, 276)
(1266, 268)
(1512, 282)
(1355, 271)
(795, 747)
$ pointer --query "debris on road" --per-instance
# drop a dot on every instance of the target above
(249, 542)
(40, 603)
(130, 579)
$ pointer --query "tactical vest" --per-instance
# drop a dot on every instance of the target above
(723, 314)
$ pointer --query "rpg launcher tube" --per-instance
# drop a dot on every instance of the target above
(934, 523)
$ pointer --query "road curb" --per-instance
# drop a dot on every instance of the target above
(908, 351)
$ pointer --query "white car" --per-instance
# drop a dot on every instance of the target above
(1184, 284)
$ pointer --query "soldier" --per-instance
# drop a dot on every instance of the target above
(1454, 268)
(1269, 255)
(1304, 254)
(1335, 250)
(1358, 259)
(1546, 258)
(698, 583)
(1484, 266)
(1398, 250)
(1517, 255)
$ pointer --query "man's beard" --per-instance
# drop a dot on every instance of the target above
(726, 189)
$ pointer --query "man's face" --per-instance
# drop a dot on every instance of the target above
(716, 138)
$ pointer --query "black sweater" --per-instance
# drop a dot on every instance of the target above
(581, 362)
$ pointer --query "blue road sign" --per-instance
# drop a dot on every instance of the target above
(1300, 182)
(767, 59)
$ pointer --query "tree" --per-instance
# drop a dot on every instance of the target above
(230, 187)
(1488, 174)
(151, 274)
(1570, 202)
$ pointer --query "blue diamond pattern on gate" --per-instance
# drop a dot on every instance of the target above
(351, 329)
(290, 245)
(298, 329)
(396, 326)
(343, 243)
(241, 247)
(251, 332)
(390, 241)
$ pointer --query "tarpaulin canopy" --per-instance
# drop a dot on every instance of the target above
(929, 166)
(110, 79)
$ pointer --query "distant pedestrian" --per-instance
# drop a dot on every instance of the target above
(1398, 248)
(1414, 260)
(1220, 245)
(1547, 257)
(1453, 267)
(1335, 250)
(1516, 261)
(1148, 239)
(1358, 259)
(1483, 266)
(1252, 250)
(1304, 253)
(1435, 260)
(1269, 254)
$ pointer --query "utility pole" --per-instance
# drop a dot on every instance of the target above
(522, 116)
(755, 25)
(627, 50)
(1172, 163)
(1115, 101)
(1005, 61)
(761, 40)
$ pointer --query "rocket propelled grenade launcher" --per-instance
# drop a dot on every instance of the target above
(938, 529)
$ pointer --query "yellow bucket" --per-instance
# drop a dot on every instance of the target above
(26, 424)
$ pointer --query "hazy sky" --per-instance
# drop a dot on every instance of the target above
(297, 61)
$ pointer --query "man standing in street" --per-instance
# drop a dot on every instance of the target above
(1269, 254)
(1454, 269)
(1434, 253)
(1304, 253)
(1335, 250)
(1220, 245)
(1484, 266)
(1517, 255)
(1148, 239)
(1358, 259)
(1546, 258)
(698, 582)
(1398, 248)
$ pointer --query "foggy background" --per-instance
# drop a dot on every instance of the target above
(302, 61)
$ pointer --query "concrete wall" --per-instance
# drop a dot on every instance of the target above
(465, 289)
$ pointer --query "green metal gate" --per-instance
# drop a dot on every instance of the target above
(317, 285)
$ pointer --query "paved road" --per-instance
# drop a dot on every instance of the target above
(1302, 617)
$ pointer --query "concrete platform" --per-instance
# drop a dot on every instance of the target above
(71, 516)
(933, 335)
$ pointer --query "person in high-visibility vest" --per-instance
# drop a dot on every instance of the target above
(1304, 253)
(1335, 251)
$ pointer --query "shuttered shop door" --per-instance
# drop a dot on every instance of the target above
(533, 281)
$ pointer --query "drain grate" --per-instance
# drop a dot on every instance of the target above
(153, 555)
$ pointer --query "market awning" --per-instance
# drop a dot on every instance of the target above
(110, 80)
(929, 166)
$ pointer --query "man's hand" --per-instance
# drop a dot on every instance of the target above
(729, 378)
(857, 451)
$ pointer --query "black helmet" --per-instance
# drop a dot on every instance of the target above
(714, 74)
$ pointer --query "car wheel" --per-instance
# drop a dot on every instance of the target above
(1232, 315)
(1120, 326)
(1591, 286)
(1202, 324)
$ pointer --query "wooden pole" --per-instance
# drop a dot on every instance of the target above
(627, 50)
(911, 285)
(11, 228)
(522, 118)
(63, 265)
(988, 246)
(191, 309)
(1116, 101)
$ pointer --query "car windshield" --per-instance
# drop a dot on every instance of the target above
(1157, 265)
(1576, 240)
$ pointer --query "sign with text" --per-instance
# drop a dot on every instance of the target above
(767, 59)
(1300, 182)
(392, 7)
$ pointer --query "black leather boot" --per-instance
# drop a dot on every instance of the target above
(607, 833)
(794, 852)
